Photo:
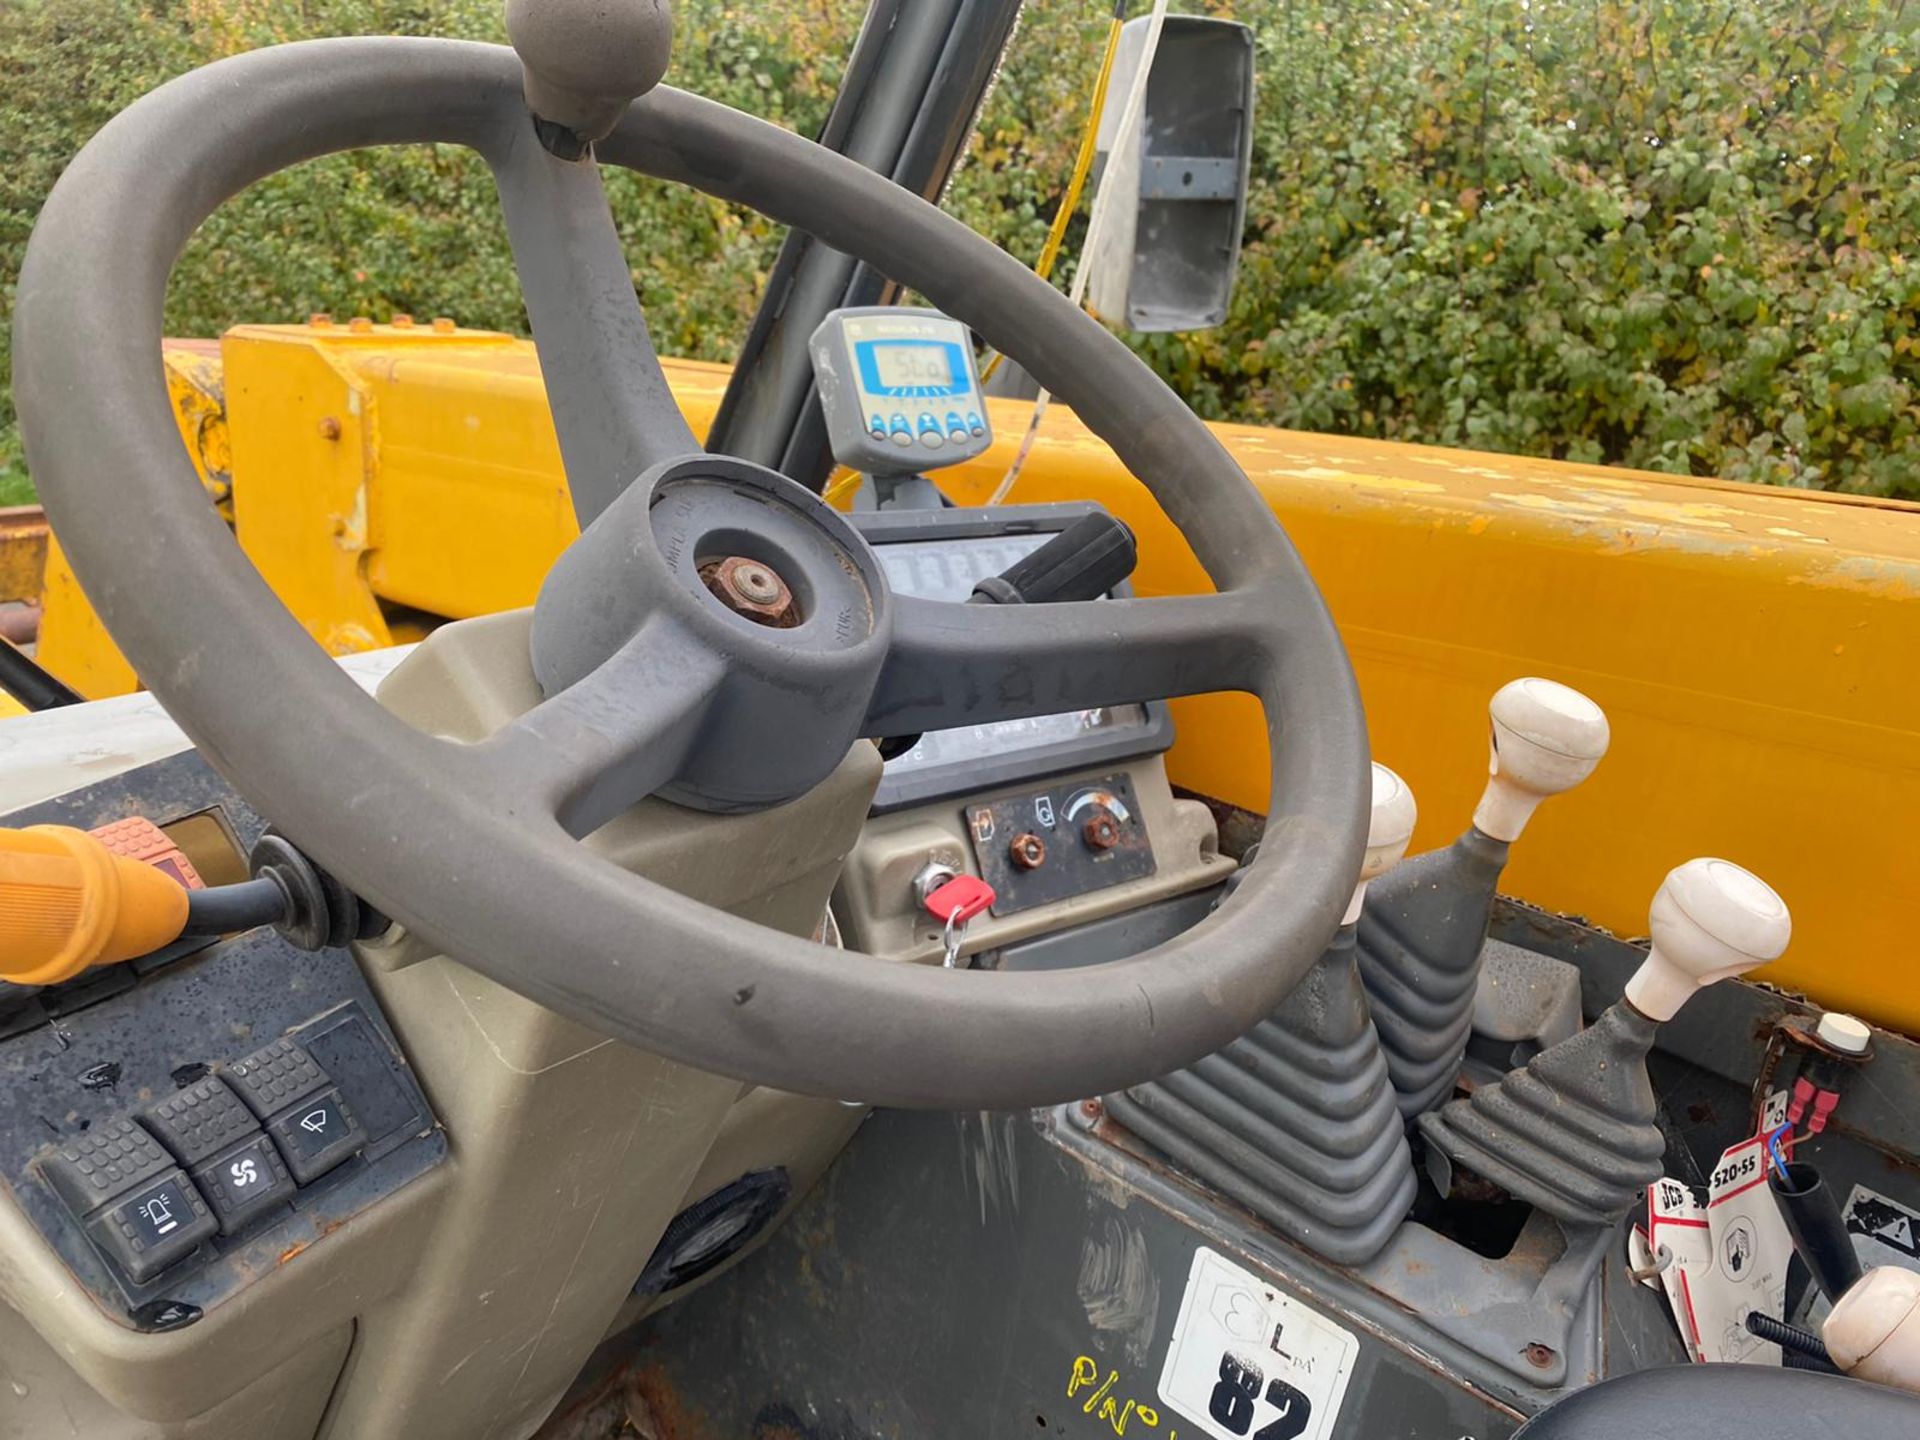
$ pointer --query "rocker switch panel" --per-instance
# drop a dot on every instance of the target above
(303, 1112)
(217, 1138)
(134, 1203)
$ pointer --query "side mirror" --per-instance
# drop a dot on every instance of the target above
(1171, 249)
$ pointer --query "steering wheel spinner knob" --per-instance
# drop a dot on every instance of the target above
(585, 61)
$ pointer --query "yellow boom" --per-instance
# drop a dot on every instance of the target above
(1754, 648)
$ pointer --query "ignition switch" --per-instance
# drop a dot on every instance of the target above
(931, 877)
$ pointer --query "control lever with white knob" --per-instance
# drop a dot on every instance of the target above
(1874, 1329)
(1296, 1120)
(1389, 832)
(1590, 1096)
(1710, 921)
(1546, 738)
(1422, 930)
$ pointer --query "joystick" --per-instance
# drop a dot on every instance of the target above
(1574, 1133)
(1422, 931)
(1296, 1120)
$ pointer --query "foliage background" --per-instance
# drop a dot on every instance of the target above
(1664, 233)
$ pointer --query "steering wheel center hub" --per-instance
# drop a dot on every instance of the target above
(726, 577)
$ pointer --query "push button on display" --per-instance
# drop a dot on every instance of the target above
(316, 1135)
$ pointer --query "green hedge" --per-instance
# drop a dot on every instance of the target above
(1667, 233)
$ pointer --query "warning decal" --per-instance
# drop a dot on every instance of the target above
(1876, 1217)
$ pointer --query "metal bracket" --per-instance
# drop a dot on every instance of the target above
(1190, 177)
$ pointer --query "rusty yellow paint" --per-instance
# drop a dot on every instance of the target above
(1752, 647)
(23, 552)
(74, 645)
(196, 383)
(303, 515)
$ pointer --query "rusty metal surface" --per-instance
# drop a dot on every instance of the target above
(23, 552)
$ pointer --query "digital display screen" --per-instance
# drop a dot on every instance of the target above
(948, 570)
(913, 369)
(901, 366)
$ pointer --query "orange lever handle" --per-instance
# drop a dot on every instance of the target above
(68, 903)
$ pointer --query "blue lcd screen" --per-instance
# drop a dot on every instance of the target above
(913, 369)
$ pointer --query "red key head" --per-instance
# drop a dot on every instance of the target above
(960, 899)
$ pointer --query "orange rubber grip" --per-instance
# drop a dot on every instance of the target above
(68, 903)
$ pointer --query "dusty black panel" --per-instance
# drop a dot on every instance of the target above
(1074, 838)
(385, 1100)
(110, 1046)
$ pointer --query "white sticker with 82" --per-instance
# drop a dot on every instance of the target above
(1249, 1362)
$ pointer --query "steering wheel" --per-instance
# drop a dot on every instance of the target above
(652, 684)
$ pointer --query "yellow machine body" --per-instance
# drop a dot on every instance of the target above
(1753, 648)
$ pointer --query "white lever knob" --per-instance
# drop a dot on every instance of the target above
(1874, 1330)
(1546, 738)
(1388, 833)
(1710, 920)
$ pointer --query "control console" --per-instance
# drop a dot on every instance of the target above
(180, 1125)
(1060, 841)
(1069, 818)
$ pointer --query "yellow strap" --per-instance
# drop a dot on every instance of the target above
(1082, 164)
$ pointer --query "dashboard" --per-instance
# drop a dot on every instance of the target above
(182, 1126)
(940, 555)
(1069, 817)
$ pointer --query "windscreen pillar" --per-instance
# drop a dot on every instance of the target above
(914, 84)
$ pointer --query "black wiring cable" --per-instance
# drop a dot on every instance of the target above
(31, 683)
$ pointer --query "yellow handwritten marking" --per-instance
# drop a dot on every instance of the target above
(1113, 1409)
(1086, 1370)
(1113, 1377)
